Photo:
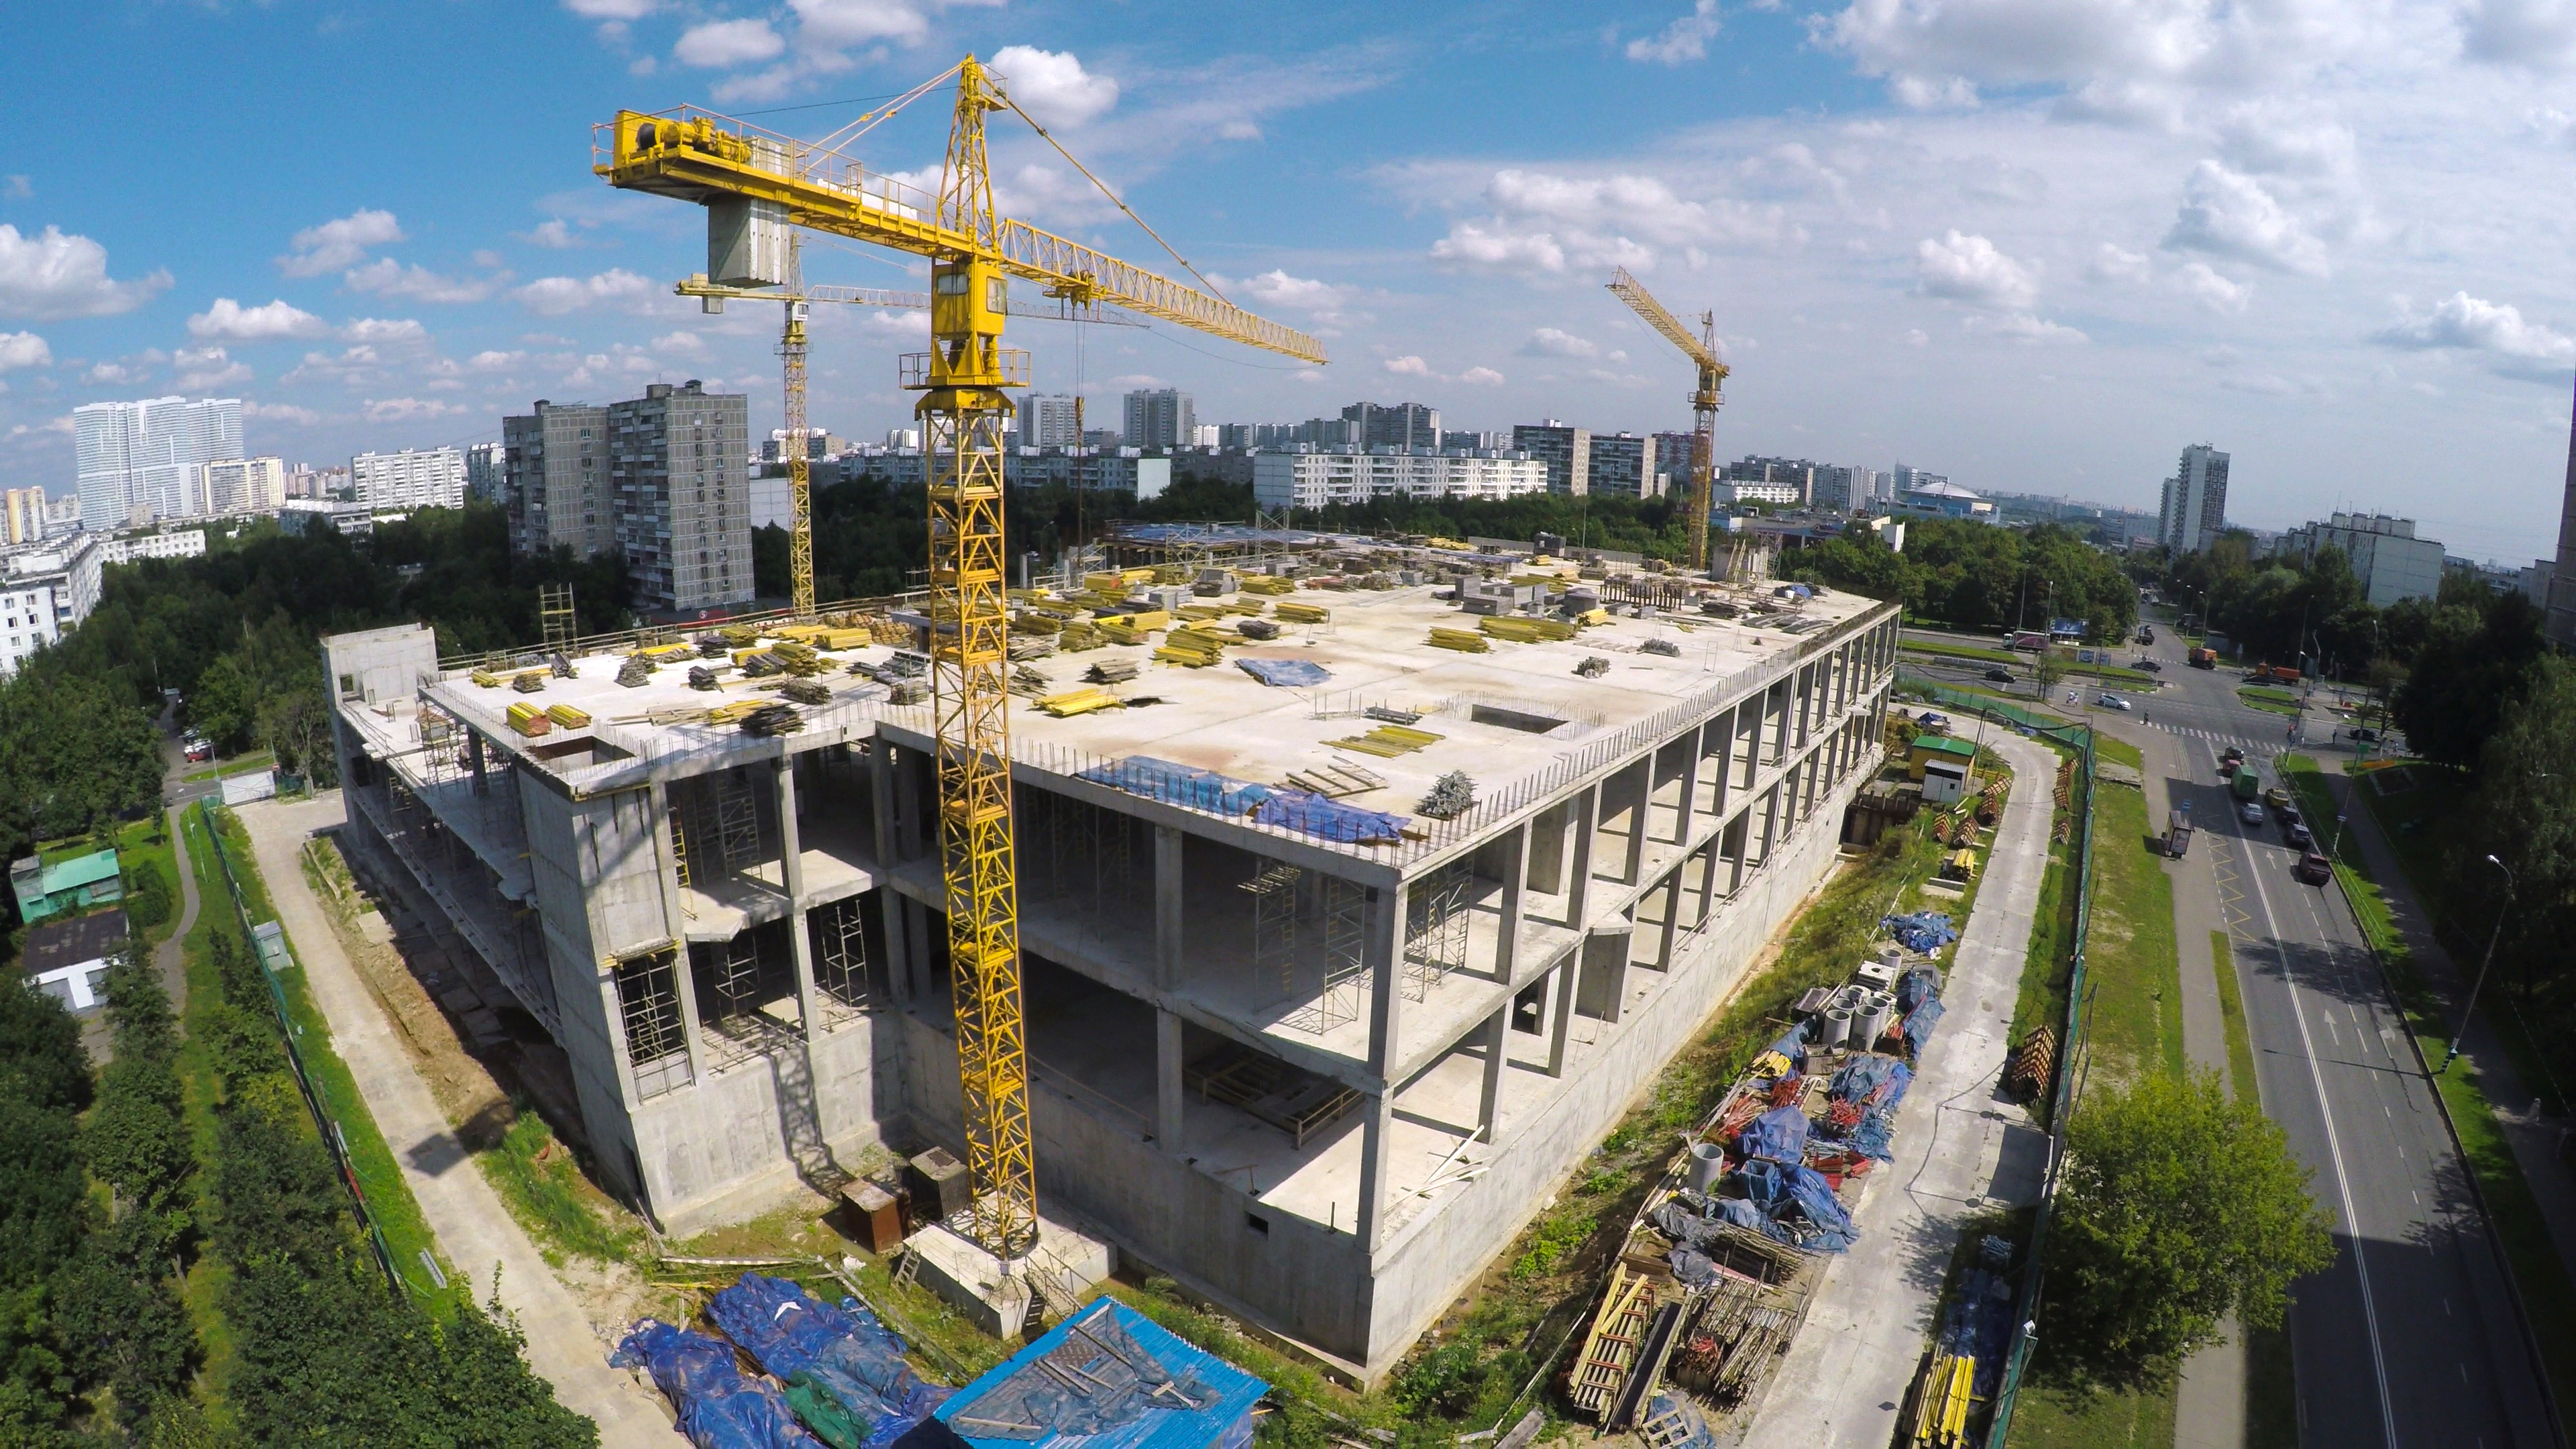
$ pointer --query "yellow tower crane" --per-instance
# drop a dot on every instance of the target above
(757, 187)
(791, 348)
(1704, 398)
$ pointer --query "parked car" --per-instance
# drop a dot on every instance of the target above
(2112, 701)
(2289, 813)
(2251, 813)
(2276, 797)
(2313, 868)
(2365, 734)
(198, 751)
(1999, 675)
(2299, 836)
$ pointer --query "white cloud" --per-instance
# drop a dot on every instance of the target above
(1933, 93)
(553, 233)
(23, 349)
(61, 424)
(2118, 264)
(686, 343)
(230, 319)
(16, 188)
(1554, 342)
(2024, 327)
(1481, 377)
(336, 244)
(834, 23)
(612, 9)
(47, 276)
(2212, 289)
(201, 369)
(1130, 381)
(390, 278)
(2228, 213)
(555, 296)
(2473, 324)
(722, 43)
(1407, 367)
(1966, 268)
(1053, 87)
(408, 409)
(1686, 38)
(110, 372)
(385, 331)
(492, 361)
(281, 413)
(2536, 35)
(1544, 222)
(1275, 288)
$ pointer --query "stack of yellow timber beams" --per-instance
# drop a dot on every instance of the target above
(1520, 630)
(527, 719)
(1388, 741)
(1610, 1349)
(567, 716)
(1078, 701)
(1465, 641)
(1296, 613)
(1267, 585)
(1196, 648)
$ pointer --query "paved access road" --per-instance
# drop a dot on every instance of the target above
(2411, 1336)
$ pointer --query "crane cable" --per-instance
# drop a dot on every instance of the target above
(1050, 139)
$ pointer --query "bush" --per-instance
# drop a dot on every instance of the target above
(147, 897)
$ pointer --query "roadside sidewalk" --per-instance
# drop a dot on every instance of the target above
(2533, 1137)
(474, 1229)
(1960, 1147)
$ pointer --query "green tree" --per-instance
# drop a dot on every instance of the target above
(2474, 666)
(223, 704)
(75, 751)
(2524, 814)
(2179, 1206)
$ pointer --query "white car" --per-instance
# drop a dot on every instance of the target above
(2251, 812)
(2112, 701)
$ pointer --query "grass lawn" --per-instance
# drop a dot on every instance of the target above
(389, 1200)
(2133, 964)
(2255, 699)
(2047, 1416)
(256, 759)
(2537, 1269)
(143, 845)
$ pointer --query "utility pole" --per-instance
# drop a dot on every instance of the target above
(2474, 987)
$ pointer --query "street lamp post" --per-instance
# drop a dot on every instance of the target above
(2474, 987)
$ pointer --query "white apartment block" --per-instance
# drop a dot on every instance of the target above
(1748, 490)
(412, 478)
(44, 592)
(1050, 420)
(2391, 562)
(22, 516)
(126, 548)
(137, 460)
(1321, 480)
(241, 485)
(2193, 512)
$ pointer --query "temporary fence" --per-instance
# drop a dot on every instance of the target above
(266, 944)
(1992, 708)
(2061, 1093)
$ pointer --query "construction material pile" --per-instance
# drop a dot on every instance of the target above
(806, 691)
(1918, 999)
(1110, 1374)
(701, 677)
(1285, 673)
(1923, 932)
(773, 719)
(1863, 1099)
(635, 672)
(716, 1406)
(1452, 795)
(844, 1372)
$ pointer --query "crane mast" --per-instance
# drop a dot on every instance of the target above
(1704, 399)
(757, 189)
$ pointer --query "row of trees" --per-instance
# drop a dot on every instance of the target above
(1977, 577)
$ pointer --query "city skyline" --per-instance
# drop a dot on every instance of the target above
(2039, 255)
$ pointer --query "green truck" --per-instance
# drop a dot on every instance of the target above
(2247, 783)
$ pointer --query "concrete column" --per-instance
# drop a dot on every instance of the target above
(1587, 823)
(1689, 806)
(1710, 862)
(1644, 770)
(1377, 1131)
(474, 761)
(684, 981)
(1810, 697)
(907, 804)
(1672, 919)
(898, 947)
(791, 862)
(1168, 843)
(881, 796)
(1382, 953)
(1563, 1011)
(1770, 822)
(916, 923)
(1168, 1099)
(1724, 725)
(1507, 945)
(1497, 1047)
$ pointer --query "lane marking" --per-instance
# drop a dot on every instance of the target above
(2334, 1153)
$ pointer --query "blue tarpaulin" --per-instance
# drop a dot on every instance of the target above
(1327, 817)
(1924, 931)
(1678, 1423)
(1797, 1204)
(1979, 1325)
(1285, 673)
(1918, 995)
(1793, 1045)
(1872, 1081)
(1779, 1134)
(1919, 1024)
(1107, 1378)
(718, 1408)
(842, 1351)
(1178, 784)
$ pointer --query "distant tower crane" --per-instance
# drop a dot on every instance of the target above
(1704, 398)
(756, 187)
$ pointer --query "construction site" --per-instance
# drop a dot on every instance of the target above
(1325, 985)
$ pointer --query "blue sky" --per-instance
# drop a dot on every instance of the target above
(2039, 244)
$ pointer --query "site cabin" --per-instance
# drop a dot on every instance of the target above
(1951, 749)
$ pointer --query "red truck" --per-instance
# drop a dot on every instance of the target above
(2204, 659)
(2276, 674)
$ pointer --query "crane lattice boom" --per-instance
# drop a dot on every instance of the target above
(1705, 398)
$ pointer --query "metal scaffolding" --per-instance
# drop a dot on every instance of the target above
(648, 1002)
(737, 821)
(1273, 888)
(555, 619)
(841, 953)
(1339, 908)
(1436, 944)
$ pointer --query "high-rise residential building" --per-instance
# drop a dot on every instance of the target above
(45, 589)
(1800, 475)
(1050, 420)
(1468, 440)
(1401, 426)
(1317, 480)
(305, 481)
(1159, 417)
(2194, 510)
(2561, 583)
(1622, 464)
(487, 472)
(1673, 460)
(231, 486)
(137, 460)
(2391, 562)
(682, 497)
(1906, 480)
(22, 516)
(555, 460)
(1204, 435)
(1567, 452)
(412, 478)
(1325, 433)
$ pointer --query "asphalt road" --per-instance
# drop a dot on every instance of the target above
(2410, 1337)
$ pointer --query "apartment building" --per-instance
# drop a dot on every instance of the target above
(1319, 480)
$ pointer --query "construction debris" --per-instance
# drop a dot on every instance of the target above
(1593, 666)
(1335, 780)
(773, 719)
(636, 672)
(1111, 671)
(528, 681)
(1665, 647)
(701, 677)
(1296, 613)
(1452, 795)
(807, 692)
(1260, 629)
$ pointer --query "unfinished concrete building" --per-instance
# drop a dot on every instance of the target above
(1311, 1051)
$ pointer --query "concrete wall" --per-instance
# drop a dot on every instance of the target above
(721, 1149)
